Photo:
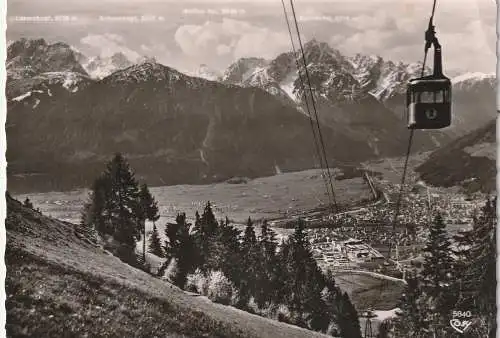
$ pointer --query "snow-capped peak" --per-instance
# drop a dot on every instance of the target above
(473, 76)
(241, 70)
(205, 72)
(99, 67)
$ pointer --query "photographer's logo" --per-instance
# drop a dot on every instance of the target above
(461, 321)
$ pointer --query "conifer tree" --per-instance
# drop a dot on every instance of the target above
(122, 206)
(281, 275)
(463, 253)
(155, 243)
(198, 241)
(97, 213)
(341, 311)
(249, 263)
(297, 265)
(114, 207)
(437, 270)
(180, 245)
(305, 281)
(267, 278)
(412, 304)
(208, 222)
(348, 318)
(206, 228)
(479, 278)
(172, 234)
(315, 307)
(215, 250)
(227, 252)
(185, 252)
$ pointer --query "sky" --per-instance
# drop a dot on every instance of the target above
(184, 34)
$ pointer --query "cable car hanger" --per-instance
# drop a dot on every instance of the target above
(428, 98)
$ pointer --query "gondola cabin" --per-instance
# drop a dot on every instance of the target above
(428, 103)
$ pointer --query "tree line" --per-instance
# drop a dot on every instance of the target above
(253, 272)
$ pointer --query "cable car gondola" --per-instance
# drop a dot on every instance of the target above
(428, 98)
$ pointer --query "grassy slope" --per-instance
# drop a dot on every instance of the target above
(58, 285)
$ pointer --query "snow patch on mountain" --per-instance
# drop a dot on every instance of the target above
(258, 78)
(287, 85)
(240, 71)
(69, 80)
(473, 76)
(22, 97)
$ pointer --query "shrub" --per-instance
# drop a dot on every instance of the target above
(171, 271)
(284, 314)
(197, 282)
(333, 329)
(220, 289)
(252, 306)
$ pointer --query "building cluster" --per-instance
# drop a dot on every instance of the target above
(333, 250)
(417, 209)
(359, 239)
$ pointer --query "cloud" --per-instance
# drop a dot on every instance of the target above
(377, 20)
(393, 29)
(223, 49)
(108, 44)
(477, 40)
(396, 35)
(306, 18)
(230, 37)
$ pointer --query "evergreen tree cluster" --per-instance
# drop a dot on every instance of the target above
(460, 279)
(118, 208)
(267, 275)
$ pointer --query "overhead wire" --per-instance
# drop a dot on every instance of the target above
(309, 114)
(322, 155)
(314, 107)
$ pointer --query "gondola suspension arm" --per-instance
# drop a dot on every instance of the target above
(432, 40)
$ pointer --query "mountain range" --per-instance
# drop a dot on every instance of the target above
(68, 113)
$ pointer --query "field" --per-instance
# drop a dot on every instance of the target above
(262, 198)
(368, 292)
(371, 293)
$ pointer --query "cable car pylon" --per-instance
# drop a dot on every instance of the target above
(368, 315)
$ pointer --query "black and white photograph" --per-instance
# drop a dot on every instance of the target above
(250, 168)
